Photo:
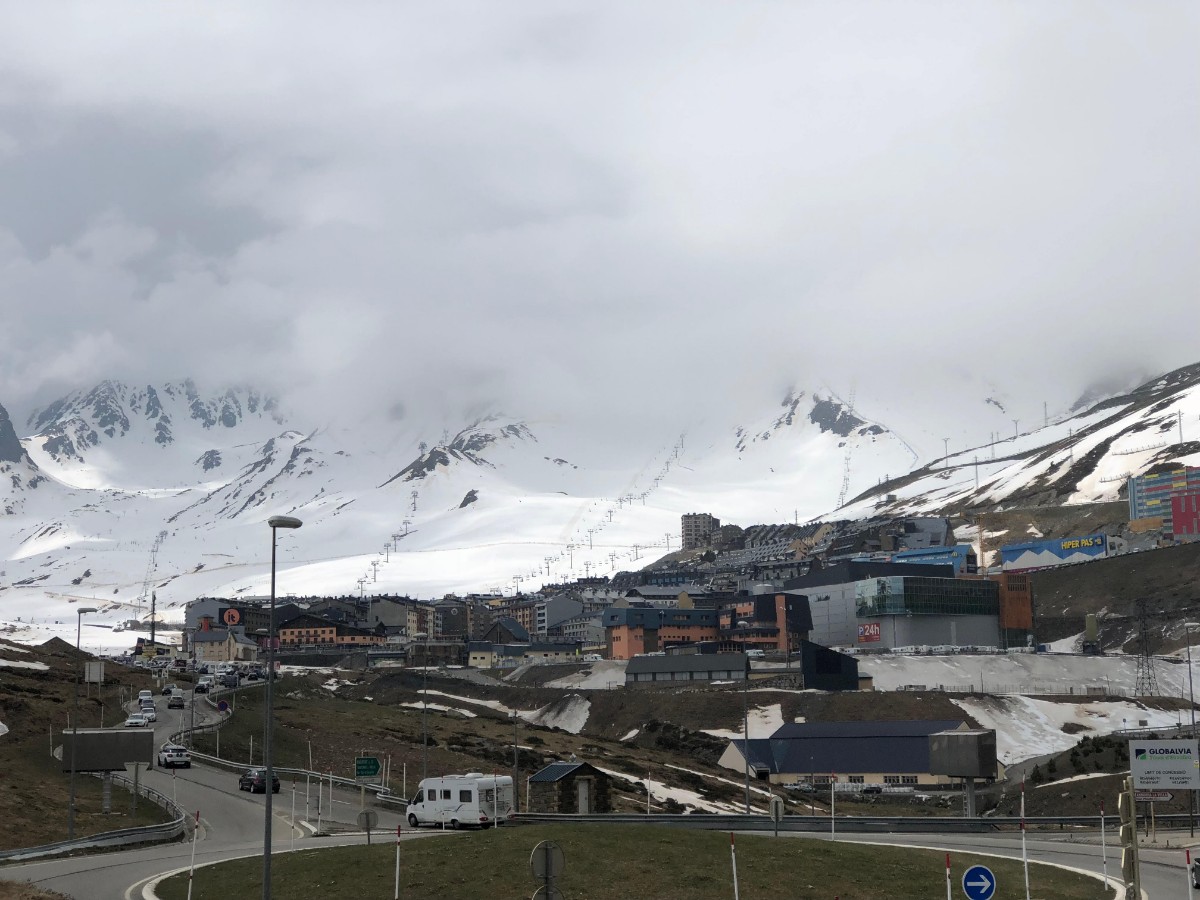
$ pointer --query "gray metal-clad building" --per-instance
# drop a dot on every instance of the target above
(886, 753)
(663, 671)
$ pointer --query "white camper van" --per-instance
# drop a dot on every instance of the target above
(455, 801)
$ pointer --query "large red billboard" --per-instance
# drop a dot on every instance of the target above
(868, 632)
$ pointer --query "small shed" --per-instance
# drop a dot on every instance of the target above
(574, 788)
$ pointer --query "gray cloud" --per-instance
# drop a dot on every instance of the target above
(611, 210)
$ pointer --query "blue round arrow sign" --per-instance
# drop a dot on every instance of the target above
(979, 883)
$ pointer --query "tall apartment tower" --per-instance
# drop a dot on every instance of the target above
(698, 529)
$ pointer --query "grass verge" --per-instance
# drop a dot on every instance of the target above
(613, 863)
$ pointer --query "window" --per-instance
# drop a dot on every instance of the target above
(891, 779)
(420, 798)
(908, 779)
(445, 795)
(856, 779)
(464, 796)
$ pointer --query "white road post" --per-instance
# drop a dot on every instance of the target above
(832, 804)
(1187, 871)
(397, 892)
(1024, 850)
(1103, 846)
(192, 867)
(948, 896)
(733, 857)
(293, 812)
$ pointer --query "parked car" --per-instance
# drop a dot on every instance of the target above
(137, 720)
(872, 789)
(169, 689)
(173, 757)
(255, 781)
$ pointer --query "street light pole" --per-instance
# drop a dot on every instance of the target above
(423, 637)
(275, 523)
(516, 782)
(746, 728)
(80, 613)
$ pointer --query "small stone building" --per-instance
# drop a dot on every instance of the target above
(569, 787)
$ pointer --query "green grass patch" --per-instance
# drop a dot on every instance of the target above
(613, 863)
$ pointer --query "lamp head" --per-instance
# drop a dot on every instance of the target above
(83, 610)
(284, 522)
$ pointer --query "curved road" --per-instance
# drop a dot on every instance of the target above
(231, 825)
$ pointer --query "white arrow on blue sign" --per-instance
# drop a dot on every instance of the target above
(979, 883)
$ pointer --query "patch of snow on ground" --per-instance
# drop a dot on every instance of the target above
(1027, 727)
(1066, 645)
(439, 707)
(1029, 673)
(740, 784)
(569, 714)
(1072, 778)
(13, 664)
(763, 721)
(685, 798)
(14, 648)
(631, 735)
(3, 729)
(604, 675)
(333, 684)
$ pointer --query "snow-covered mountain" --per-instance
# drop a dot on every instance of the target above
(120, 490)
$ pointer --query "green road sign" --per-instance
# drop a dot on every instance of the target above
(367, 767)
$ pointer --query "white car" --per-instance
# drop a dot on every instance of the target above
(149, 714)
(172, 756)
(137, 720)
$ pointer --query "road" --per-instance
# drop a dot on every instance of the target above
(231, 825)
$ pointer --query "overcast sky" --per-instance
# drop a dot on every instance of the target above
(601, 206)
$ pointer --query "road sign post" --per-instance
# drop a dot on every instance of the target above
(776, 812)
(978, 883)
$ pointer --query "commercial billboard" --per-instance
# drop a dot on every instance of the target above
(868, 632)
(1059, 552)
(1160, 765)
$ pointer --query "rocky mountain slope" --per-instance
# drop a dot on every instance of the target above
(118, 491)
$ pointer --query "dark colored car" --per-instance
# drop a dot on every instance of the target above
(255, 781)
(177, 702)
(168, 689)
(872, 789)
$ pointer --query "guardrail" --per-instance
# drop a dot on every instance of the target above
(145, 834)
(857, 824)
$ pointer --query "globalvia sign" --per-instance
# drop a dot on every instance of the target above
(868, 632)
(1159, 765)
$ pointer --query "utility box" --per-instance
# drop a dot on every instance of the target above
(963, 754)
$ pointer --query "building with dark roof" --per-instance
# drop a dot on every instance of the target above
(882, 753)
(572, 788)
(674, 670)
